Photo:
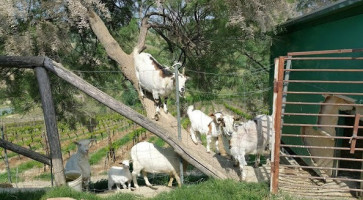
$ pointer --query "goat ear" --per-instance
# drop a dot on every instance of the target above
(211, 114)
(75, 142)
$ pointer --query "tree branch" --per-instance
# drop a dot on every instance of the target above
(144, 30)
(113, 49)
(255, 61)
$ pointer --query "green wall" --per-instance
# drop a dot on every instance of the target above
(340, 28)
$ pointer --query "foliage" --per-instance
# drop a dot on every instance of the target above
(31, 195)
(44, 176)
(307, 6)
(21, 168)
(219, 189)
(51, 29)
(96, 157)
(157, 141)
(211, 189)
(238, 111)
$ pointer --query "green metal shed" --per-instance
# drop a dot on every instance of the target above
(323, 92)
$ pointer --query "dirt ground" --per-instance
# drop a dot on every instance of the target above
(142, 191)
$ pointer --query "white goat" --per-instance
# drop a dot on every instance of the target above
(146, 157)
(120, 176)
(80, 162)
(204, 124)
(251, 137)
(228, 127)
(156, 79)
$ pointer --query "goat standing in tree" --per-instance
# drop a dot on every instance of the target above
(157, 79)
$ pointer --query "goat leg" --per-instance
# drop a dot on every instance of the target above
(164, 104)
(257, 161)
(157, 108)
(147, 181)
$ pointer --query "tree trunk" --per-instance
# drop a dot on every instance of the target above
(220, 166)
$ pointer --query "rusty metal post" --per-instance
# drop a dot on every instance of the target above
(278, 109)
(353, 139)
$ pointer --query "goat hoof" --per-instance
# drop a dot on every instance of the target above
(156, 117)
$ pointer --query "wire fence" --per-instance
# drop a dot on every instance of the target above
(33, 176)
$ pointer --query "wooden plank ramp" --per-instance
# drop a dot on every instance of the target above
(166, 128)
(208, 163)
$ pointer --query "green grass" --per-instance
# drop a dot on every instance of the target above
(238, 111)
(21, 168)
(98, 155)
(34, 195)
(219, 189)
(209, 190)
(157, 141)
(44, 176)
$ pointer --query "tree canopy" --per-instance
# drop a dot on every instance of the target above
(223, 44)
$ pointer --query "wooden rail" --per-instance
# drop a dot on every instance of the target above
(68, 76)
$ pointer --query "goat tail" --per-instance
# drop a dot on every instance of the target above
(190, 109)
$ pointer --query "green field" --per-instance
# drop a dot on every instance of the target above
(209, 190)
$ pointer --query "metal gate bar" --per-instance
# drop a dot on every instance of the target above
(280, 104)
(330, 168)
(317, 81)
(321, 157)
(325, 104)
(324, 178)
(319, 115)
(319, 147)
(315, 136)
(335, 51)
(324, 70)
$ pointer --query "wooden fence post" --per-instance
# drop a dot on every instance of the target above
(51, 125)
(6, 155)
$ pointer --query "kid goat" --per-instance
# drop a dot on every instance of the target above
(204, 124)
(156, 79)
(120, 176)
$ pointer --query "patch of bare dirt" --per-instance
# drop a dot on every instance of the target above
(142, 191)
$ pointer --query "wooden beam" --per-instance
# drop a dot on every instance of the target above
(51, 125)
(115, 105)
(129, 113)
(25, 152)
(21, 62)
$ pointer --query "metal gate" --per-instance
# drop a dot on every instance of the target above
(318, 108)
